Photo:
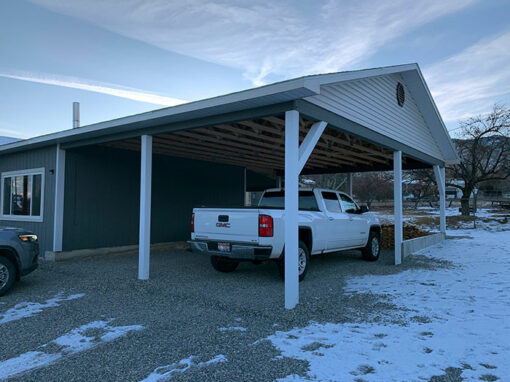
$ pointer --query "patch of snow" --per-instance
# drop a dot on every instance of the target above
(28, 309)
(454, 317)
(232, 328)
(77, 340)
(165, 373)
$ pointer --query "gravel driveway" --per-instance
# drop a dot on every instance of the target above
(91, 319)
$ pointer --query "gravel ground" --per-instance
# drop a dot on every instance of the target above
(182, 308)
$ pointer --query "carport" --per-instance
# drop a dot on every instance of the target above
(369, 120)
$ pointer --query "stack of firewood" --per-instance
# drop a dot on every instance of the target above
(410, 232)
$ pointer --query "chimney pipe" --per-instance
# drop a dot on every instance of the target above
(76, 115)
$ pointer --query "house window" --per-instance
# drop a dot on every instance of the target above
(22, 195)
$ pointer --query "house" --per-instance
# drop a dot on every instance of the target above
(136, 179)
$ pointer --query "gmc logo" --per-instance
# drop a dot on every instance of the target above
(223, 225)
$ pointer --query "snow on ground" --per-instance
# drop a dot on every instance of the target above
(77, 340)
(452, 317)
(165, 373)
(232, 328)
(486, 218)
(28, 309)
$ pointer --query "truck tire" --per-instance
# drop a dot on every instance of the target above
(373, 248)
(303, 262)
(222, 264)
(7, 275)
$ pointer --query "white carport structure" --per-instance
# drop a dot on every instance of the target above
(369, 120)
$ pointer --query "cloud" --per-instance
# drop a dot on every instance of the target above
(6, 130)
(469, 82)
(266, 39)
(98, 87)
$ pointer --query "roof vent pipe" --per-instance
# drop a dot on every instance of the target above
(76, 115)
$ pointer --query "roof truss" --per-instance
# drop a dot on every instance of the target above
(259, 145)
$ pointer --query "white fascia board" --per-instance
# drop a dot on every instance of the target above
(324, 79)
(423, 97)
(311, 86)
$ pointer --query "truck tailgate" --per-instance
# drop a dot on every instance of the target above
(236, 225)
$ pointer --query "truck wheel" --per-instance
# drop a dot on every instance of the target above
(373, 247)
(7, 275)
(224, 265)
(303, 261)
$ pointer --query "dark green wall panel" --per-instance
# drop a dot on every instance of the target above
(258, 182)
(102, 195)
(27, 160)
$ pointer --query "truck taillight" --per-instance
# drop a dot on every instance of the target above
(265, 226)
(192, 222)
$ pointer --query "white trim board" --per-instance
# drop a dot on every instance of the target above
(9, 174)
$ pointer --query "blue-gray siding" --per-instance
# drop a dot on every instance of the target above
(26, 160)
(102, 195)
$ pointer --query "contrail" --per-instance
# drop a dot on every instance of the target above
(76, 83)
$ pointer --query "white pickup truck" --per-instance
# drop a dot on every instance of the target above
(329, 221)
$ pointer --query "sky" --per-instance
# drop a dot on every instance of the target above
(123, 57)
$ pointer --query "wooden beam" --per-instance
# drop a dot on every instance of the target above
(345, 157)
(246, 144)
(339, 140)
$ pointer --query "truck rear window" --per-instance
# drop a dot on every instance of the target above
(276, 200)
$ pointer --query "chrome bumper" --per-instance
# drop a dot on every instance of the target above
(237, 251)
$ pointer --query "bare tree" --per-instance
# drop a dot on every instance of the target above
(484, 152)
(329, 181)
(372, 186)
(422, 184)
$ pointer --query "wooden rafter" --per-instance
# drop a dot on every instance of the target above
(260, 144)
(372, 149)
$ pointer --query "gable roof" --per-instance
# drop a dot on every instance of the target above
(276, 93)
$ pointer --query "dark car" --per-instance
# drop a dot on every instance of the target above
(19, 252)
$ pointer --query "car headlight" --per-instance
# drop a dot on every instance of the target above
(28, 238)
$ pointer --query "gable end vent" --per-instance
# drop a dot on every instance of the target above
(401, 94)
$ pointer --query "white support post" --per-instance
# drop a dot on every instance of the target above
(145, 208)
(291, 208)
(441, 185)
(308, 144)
(397, 200)
(58, 216)
(349, 184)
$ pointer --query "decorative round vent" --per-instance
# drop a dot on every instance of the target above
(401, 94)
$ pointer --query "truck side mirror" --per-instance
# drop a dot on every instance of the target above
(364, 208)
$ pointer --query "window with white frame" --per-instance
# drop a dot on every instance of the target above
(22, 195)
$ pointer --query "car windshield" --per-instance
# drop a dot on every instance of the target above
(276, 200)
